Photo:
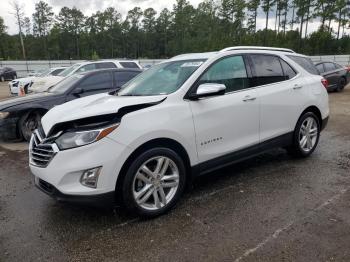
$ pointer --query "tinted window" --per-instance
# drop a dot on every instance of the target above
(320, 68)
(106, 65)
(124, 77)
(305, 63)
(229, 71)
(86, 68)
(288, 71)
(268, 69)
(129, 65)
(65, 84)
(329, 67)
(97, 81)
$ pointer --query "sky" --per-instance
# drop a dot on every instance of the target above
(89, 7)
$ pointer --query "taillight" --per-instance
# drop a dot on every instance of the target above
(324, 82)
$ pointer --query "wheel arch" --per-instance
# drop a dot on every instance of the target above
(158, 142)
(314, 109)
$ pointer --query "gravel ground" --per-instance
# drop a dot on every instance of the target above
(269, 208)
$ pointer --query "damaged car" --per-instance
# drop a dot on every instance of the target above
(19, 116)
(184, 117)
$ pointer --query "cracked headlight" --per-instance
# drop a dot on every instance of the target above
(81, 138)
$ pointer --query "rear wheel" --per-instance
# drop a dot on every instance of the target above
(2, 79)
(341, 85)
(154, 182)
(306, 135)
(28, 123)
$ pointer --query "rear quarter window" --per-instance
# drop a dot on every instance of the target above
(305, 63)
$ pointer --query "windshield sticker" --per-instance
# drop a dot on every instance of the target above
(192, 64)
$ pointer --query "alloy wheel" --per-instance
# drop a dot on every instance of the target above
(308, 134)
(156, 183)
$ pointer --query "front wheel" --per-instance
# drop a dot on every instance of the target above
(154, 182)
(306, 135)
(28, 123)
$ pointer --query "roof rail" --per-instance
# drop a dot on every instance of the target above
(257, 48)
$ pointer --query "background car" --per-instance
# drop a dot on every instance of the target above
(336, 75)
(26, 82)
(19, 116)
(44, 83)
(7, 73)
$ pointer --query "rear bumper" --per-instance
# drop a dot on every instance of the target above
(99, 200)
(324, 123)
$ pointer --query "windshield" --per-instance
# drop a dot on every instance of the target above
(69, 70)
(161, 79)
(65, 84)
(44, 73)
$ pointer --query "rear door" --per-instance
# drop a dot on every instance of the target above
(281, 95)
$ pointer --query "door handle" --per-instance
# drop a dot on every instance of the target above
(248, 98)
(296, 86)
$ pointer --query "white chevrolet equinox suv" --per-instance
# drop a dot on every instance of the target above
(184, 117)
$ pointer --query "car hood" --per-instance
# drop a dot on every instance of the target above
(96, 105)
(41, 84)
(19, 100)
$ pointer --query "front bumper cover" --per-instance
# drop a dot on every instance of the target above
(100, 200)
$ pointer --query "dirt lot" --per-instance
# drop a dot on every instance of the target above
(269, 208)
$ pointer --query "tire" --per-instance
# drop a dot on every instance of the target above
(141, 186)
(27, 124)
(2, 79)
(342, 84)
(14, 77)
(304, 141)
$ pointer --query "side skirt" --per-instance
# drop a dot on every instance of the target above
(243, 154)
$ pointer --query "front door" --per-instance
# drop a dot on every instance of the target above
(230, 122)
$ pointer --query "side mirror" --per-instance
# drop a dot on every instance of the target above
(78, 91)
(208, 89)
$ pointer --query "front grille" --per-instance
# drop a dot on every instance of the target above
(41, 153)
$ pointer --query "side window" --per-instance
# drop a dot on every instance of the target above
(106, 65)
(229, 71)
(305, 63)
(338, 66)
(129, 65)
(289, 72)
(268, 69)
(329, 67)
(124, 77)
(320, 68)
(97, 81)
(86, 68)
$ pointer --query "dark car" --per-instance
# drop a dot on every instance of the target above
(21, 115)
(336, 75)
(7, 73)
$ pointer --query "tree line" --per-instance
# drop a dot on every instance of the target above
(145, 34)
